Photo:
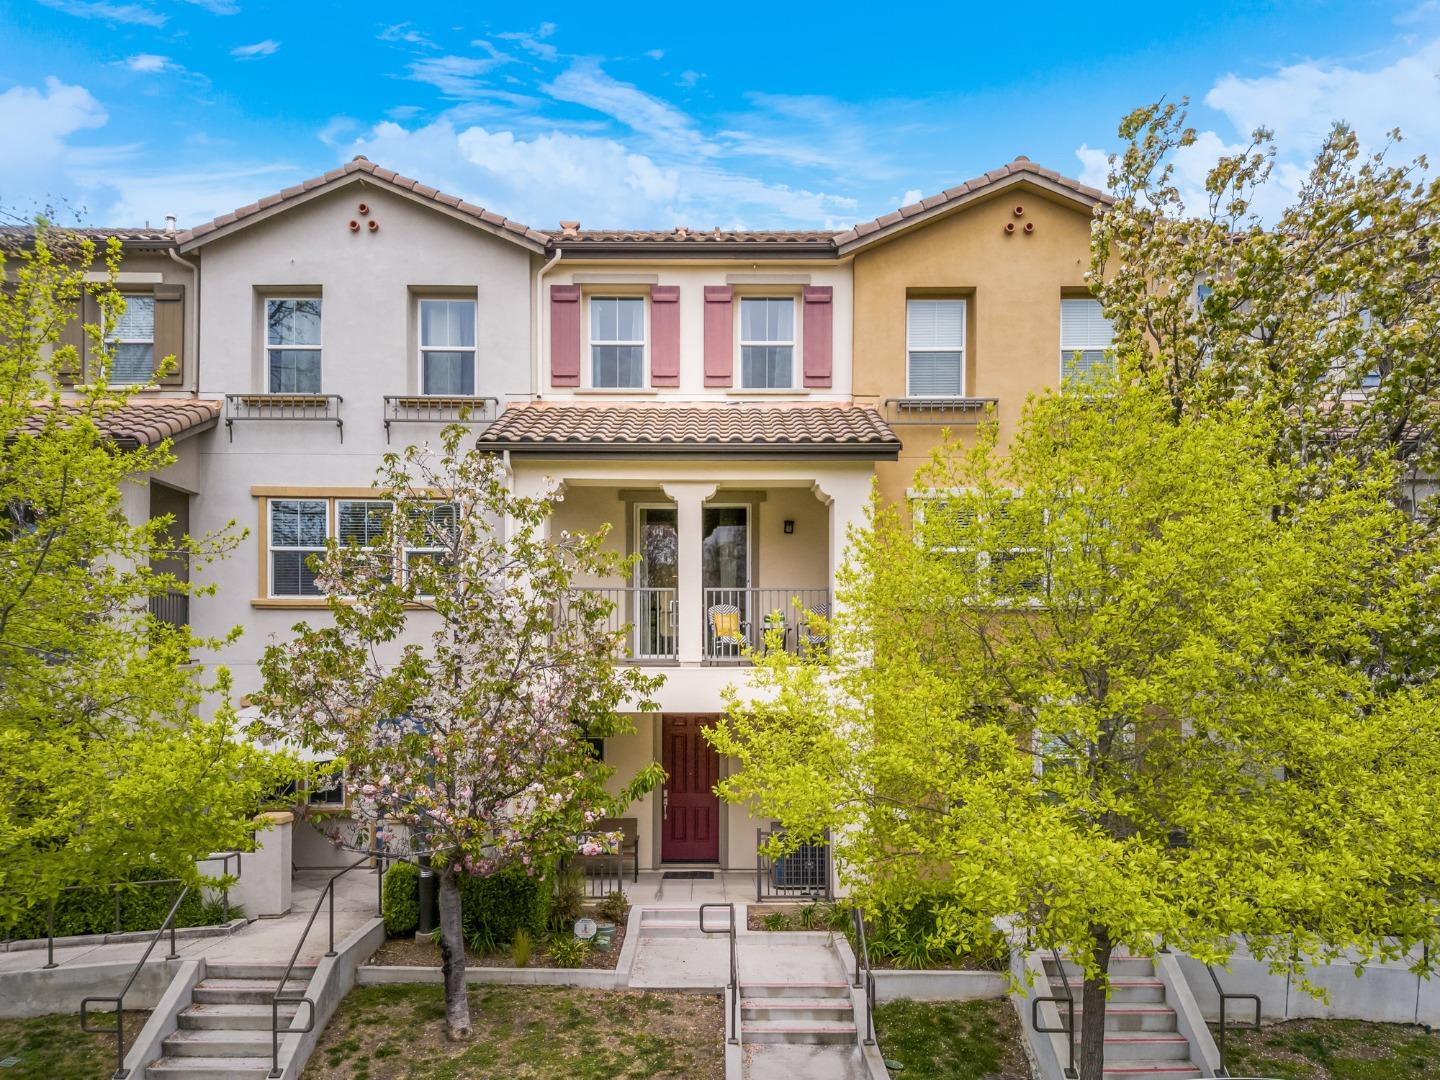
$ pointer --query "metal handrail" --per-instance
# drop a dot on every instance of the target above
(1068, 1000)
(301, 998)
(119, 999)
(863, 951)
(734, 967)
(1224, 997)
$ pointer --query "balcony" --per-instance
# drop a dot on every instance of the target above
(733, 621)
(439, 409)
(287, 407)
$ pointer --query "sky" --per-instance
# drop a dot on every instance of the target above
(119, 112)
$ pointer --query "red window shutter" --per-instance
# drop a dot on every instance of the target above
(564, 335)
(719, 335)
(819, 341)
(664, 335)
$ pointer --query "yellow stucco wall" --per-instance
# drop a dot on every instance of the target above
(1013, 281)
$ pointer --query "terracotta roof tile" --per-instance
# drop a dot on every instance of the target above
(142, 422)
(777, 237)
(680, 427)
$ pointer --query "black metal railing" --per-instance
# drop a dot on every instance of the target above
(647, 616)
(1224, 997)
(171, 607)
(803, 874)
(1068, 1000)
(323, 407)
(439, 409)
(740, 619)
(937, 410)
(300, 997)
(862, 967)
(734, 986)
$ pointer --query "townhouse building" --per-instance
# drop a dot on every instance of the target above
(723, 401)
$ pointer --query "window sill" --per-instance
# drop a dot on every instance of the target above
(769, 391)
(617, 391)
(309, 603)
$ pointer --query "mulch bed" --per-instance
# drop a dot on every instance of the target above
(407, 952)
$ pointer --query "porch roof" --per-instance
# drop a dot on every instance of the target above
(138, 422)
(560, 429)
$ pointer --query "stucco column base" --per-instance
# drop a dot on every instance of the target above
(264, 886)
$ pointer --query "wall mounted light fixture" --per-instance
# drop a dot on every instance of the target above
(789, 527)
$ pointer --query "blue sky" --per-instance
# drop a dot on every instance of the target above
(776, 115)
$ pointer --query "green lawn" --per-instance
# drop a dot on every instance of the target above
(523, 1033)
(54, 1048)
(951, 1040)
(1335, 1050)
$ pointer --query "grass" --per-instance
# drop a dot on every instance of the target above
(952, 1040)
(523, 1033)
(1334, 1050)
(54, 1048)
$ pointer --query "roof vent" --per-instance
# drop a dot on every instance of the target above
(681, 232)
(170, 223)
(569, 228)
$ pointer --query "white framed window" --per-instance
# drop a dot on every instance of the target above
(131, 343)
(297, 530)
(447, 347)
(439, 520)
(935, 348)
(767, 342)
(944, 523)
(617, 342)
(292, 345)
(1085, 338)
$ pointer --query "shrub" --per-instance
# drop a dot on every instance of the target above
(521, 948)
(567, 898)
(499, 905)
(615, 907)
(775, 920)
(568, 951)
(400, 897)
(92, 911)
(909, 937)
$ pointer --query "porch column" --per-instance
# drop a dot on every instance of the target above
(689, 497)
(846, 497)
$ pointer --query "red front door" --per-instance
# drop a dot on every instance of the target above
(690, 831)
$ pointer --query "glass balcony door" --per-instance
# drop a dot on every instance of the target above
(725, 578)
(653, 600)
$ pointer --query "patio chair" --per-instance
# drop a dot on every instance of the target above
(727, 629)
(812, 631)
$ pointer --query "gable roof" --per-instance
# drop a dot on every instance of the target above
(1021, 170)
(138, 422)
(356, 170)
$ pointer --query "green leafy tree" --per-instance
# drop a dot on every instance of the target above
(106, 765)
(1112, 686)
(461, 678)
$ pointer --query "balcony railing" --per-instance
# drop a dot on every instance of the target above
(737, 619)
(171, 607)
(439, 409)
(323, 407)
(649, 618)
(937, 411)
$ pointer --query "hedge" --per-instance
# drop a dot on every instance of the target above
(400, 899)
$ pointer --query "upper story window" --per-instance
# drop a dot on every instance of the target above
(131, 343)
(298, 529)
(292, 345)
(767, 342)
(935, 348)
(447, 347)
(617, 342)
(1085, 338)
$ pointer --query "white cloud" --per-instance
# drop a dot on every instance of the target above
(404, 32)
(1094, 166)
(913, 195)
(259, 49)
(42, 121)
(690, 78)
(148, 63)
(337, 129)
(457, 76)
(531, 43)
(134, 14)
(655, 54)
(542, 178)
(586, 84)
(134, 197)
(217, 7)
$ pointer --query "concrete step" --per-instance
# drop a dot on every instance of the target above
(1127, 1048)
(224, 970)
(1151, 1070)
(212, 1068)
(232, 1017)
(827, 989)
(1141, 966)
(1120, 1017)
(1133, 991)
(218, 1044)
(796, 1031)
(797, 1009)
(240, 991)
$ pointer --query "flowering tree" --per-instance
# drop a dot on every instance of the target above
(461, 677)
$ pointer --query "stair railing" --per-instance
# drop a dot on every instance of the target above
(299, 997)
(734, 965)
(118, 1000)
(1068, 1000)
(862, 957)
(1224, 1023)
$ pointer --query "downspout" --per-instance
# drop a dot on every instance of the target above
(539, 321)
(194, 268)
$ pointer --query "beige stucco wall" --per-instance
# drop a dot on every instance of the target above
(1014, 283)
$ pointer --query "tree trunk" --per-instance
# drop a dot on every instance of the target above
(452, 958)
(1092, 1003)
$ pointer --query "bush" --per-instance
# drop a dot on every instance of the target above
(908, 936)
(493, 908)
(615, 907)
(567, 898)
(568, 951)
(400, 899)
(92, 911)
(775, 920)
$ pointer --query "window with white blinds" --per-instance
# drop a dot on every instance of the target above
(1085, 338)
(935, 348)
(298, 530)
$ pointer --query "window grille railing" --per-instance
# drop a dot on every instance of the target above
(439, 409)
(289, 407)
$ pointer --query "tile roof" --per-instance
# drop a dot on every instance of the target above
(143, 235)
(676, 427)
(1021, 168)
(142, 422)
(681, 235)
(364, 166)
